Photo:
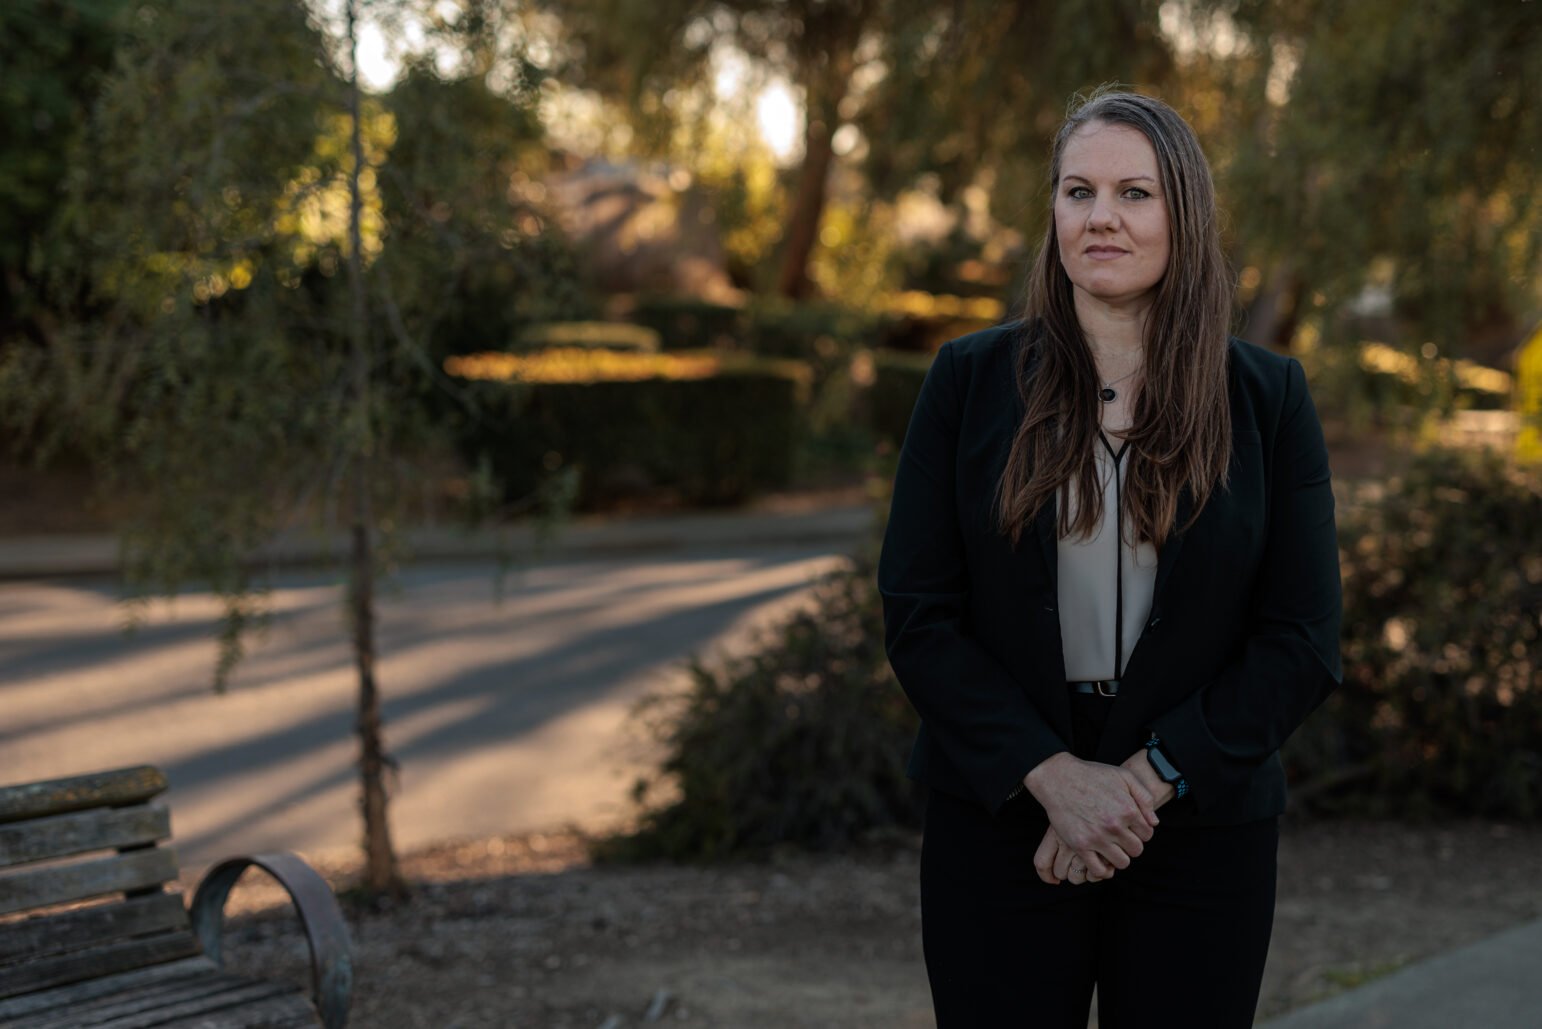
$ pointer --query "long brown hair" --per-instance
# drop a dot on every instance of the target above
(1181, 431)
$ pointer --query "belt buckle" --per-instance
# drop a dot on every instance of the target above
(1100, 687)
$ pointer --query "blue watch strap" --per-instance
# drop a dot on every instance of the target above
(1153, 750)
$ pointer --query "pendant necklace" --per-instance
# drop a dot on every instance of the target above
(1107, 392)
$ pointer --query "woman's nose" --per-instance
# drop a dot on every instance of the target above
(1102, 215)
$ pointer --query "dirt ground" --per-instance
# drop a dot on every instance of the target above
(524, 932)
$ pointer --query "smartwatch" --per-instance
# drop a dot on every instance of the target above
(1165, 769)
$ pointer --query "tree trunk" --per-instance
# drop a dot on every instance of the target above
(382, 874)
(826, 72)
(1274, 313)
(808, 207)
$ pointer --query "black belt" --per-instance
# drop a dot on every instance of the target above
(1099, 687)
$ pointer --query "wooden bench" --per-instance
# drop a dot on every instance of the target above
(89, 935)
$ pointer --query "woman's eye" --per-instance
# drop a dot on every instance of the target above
(1079, 192)
(1136, 193)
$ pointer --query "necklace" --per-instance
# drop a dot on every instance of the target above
(1107, 392)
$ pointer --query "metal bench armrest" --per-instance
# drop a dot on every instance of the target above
(326, 932)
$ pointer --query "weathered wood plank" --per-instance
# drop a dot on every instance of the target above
(94, 963)
(167, 1000)
(78, 832)
(130, 1002)
(25, 888)
(288, 1012)
(89, 927)
(63, 996)
(222, 1008)
(79, 792)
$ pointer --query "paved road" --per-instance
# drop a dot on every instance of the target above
(506, 715)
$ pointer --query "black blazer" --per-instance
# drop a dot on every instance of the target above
(1243, 638)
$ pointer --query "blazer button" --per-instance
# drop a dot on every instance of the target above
(1153, 623)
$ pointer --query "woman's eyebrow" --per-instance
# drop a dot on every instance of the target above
(1132, 178)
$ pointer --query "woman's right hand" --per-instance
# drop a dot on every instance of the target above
(1103, 812)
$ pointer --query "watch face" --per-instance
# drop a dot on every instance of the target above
(1164, 768)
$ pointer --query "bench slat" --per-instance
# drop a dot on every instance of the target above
(58, 884)
(108, 984)
(288, 1012)
(236, 1005)
(161, 993)
(79, 792)
(90, 964)
(167, 1002)
(91, 927)
(291, 1011)
(80, 831)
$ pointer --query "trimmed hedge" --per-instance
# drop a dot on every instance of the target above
(1372, 383)
(809, 332)
(921, 322)
(897, 378)
(711, 429)
(686, 323)
(599, 335)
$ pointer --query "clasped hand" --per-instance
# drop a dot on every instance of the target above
(1100, 816)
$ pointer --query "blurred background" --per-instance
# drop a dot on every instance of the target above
(472, 369)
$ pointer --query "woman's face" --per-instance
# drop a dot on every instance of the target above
(1110, 215)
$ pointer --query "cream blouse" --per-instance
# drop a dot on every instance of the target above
(1105, 583)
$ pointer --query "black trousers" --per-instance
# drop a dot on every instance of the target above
(1179, 938)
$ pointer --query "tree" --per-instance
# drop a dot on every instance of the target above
(220, 380)
(1384, 144)
(54, 53)
(637, 53)
(960, 90)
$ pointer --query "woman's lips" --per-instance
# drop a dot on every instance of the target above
(1105, 253)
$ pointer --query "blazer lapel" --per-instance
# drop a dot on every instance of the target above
(1044, 529)
(1167, 557)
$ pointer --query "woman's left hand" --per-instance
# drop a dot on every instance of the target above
(1056, 862)
(1138, 763)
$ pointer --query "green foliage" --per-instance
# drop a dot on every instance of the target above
(202, 350)
(1372, 384)
(1441, 706)
(897, 378)
(54, 55)
(800, 742)
(1403, 132)
(180, 277)
(710, 440)
(808, 331)
(827, 337)
(471, 254)
(600, 335)
(686, 323)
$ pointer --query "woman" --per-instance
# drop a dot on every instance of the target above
(1111, 591)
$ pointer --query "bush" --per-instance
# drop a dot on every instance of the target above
(897, 378)
(708, 428)
(1371, 383)
(922, 322)
(686, 323)
(800, 742)
(827, 337)
(598, 335)
(1441, 706)
(779, 328)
